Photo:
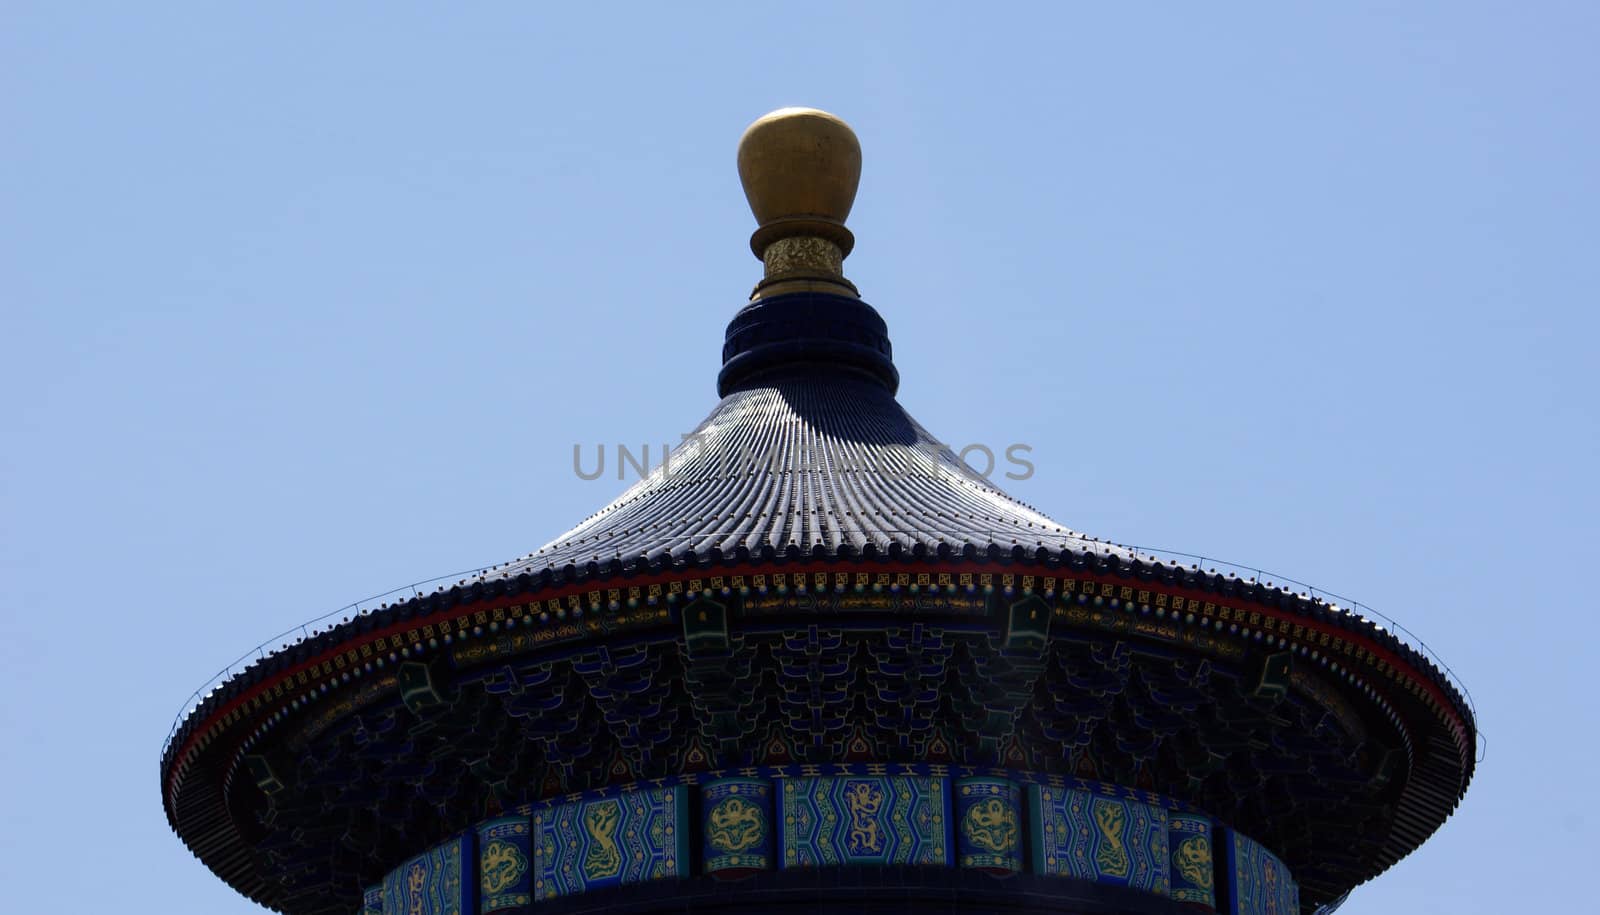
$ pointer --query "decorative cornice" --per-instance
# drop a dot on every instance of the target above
(492, 622)
(578, 611)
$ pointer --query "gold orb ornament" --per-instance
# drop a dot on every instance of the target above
(800, 168)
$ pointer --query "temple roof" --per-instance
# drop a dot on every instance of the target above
(808, 452)
(808, 461)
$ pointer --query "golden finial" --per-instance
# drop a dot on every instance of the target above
(800, 168)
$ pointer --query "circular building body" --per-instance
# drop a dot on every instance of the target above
(815, 662)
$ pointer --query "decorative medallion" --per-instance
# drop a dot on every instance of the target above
(989, 830)
(504, 875)
(1193, 866)
(738, 829)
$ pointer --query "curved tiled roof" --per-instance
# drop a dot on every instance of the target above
(803, 462)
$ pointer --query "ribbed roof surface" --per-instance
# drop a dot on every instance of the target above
(811, 459)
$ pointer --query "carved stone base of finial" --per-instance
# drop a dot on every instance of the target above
(803, 254)
(803, 263)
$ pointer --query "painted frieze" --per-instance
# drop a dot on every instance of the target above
(989, 824)
(1193, 862)
(736, 824)
(435, 883)
(607, 841)
(1098, 837)
(1258, 883)
(505, 873)
(865, 819)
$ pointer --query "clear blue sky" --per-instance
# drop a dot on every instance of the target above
(300, 302)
